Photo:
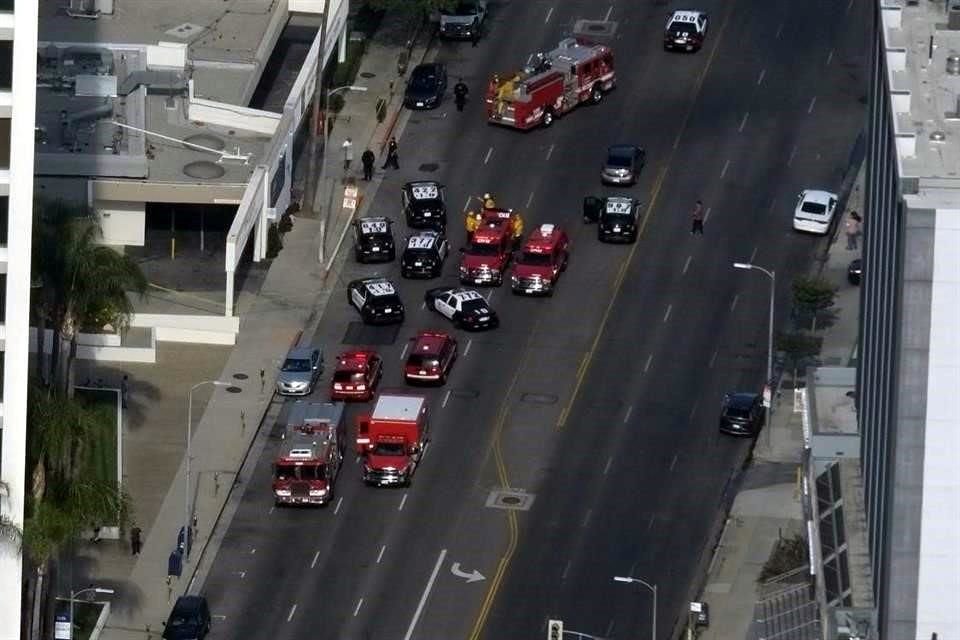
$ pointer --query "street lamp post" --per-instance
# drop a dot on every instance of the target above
(653, 590)
(773, 294)
(73, 597)
(186, 504)
(321, 183)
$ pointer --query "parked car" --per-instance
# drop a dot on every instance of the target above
(299, 371)
(741, 414)
(814, 211)
(427, 84)
(189, 619)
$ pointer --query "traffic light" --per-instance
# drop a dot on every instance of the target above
(554, 629)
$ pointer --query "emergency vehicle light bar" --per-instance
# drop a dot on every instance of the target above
(546, 229)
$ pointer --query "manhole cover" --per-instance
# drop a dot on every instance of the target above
(205, 140)
(234, 389)
(359, 333)
(515, 499)
(429, 167)
(240, 376)
(367, 74)
(204, 170)
(604, 28)
(539, 398)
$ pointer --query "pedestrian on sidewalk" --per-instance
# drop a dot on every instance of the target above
(124, 390)
(697, 227)
(852, 230)
(368, 159)
(347, 154)
(135, 542)
(393, 154)
(460, 92)
(96, 534)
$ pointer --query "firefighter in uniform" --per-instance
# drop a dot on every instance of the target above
(516, 225)
(488, 202)
(471, 222)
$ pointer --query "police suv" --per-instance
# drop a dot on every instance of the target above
(373, 240)
(376, 299)
(685, 30)
(423, 205)
(617, 217)
(424, 255)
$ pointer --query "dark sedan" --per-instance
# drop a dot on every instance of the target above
(428, 83)
(741, 414)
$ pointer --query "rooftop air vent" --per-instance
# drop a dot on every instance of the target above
(953, 16)
(953, 64)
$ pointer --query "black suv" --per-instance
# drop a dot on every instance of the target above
(617, 217)
(428, 83)
(424, 256)
(373, 240)
(189, 620)
(377, 300)
(741, 414)
(423, 205)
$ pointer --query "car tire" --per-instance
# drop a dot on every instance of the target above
(596, 94)
(548, 118)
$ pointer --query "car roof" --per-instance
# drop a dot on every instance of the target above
(354, 360)
(300, 353)
(816, 195)
(377, 286)
(428, 67)
(189, 604)
(545, 235)
(740, 399)
(686, 13)
(429, 342)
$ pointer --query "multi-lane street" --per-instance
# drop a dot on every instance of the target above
(599, 405)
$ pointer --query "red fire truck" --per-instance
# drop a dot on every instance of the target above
(392, 439)
(311, 453)
(551, 84)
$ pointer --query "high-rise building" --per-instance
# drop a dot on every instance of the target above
(18, 58)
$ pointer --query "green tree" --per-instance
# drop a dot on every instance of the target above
(81, 283)
(798, 349)
(812, 296)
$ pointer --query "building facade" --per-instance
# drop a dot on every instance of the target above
(18, 58)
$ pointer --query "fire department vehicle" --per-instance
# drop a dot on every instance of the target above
(432, 354)
(539, 264)
(310, 455)
(551, 84)
(392, 439)
(357, 375)
(486, 258)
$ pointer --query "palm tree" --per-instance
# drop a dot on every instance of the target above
(83, 284)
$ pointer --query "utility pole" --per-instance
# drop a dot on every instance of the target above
(313, 188)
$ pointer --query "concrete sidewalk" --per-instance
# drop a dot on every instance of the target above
(290, 304)
(768, 504)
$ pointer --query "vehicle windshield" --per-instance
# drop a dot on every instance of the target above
(478, 249)
(813, 207)
(389, 449)
(618, 160)
(738, 412)
(535, 259)
(422, 361)
(462, 9)
(296, 365)
(386, 301)
(298, 472)
(349, 376)
(423, 80)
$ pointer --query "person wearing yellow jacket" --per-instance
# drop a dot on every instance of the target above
(471, 222)
(516, 221)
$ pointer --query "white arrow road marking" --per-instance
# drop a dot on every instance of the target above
(426, 594)
(476, 576)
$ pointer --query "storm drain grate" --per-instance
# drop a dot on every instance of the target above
(429, 167)
(595, 28)
(510, 499)
(365, 334)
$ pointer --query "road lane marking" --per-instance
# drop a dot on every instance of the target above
(606, 18)
(763, 72)
(316, 557)
(674, 463)
(403, 354)
(586, 518)
(829, 57)
(779, 30)
(357, 609)
(706, 214)
(426, 594)
(626, 417)
(549, 13)
(713, 358)
(793, 153)
(380, 555)
(733, 305)
(446, 397)
(813, 101)
(566, 570)
(849, 6)
(529, 200)
(743, 122)
(686, 265)
(467, 203)
(271, 510)
(693, 409)
(726, 165)
(253, 550)
(550, 151)
(650, 525)
(337, 508)
(666, 315)
(403, 501)
(606, 469)
(609, 629)
(489, 294)
(467, 349)
(646, 366)
(753, 255)
(486, 158)
(293, 610)
(423, 305)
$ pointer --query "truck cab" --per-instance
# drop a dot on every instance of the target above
(487, 255)
(392, 439)
(540, 262)
(305, 470)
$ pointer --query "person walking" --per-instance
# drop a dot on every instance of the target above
(698, 215)
(460, 92)
(393, 154)
(124, 390)
(852, 230)
(368, 159)
(135, 542)
(347, 154)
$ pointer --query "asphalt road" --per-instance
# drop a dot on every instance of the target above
(598, 404)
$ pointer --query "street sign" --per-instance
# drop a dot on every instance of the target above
(62, 627)
(767, 396)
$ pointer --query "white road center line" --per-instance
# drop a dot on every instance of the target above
(666, 315)
(813, 101)
(626, 416)
(763, 72)
(466, 349)
(403, 354)
(316, 557)
(423, 305)
(693, 409)
(486, 158)
(647, 365)
(743, 122)
(706, 214)
(609, 629)
(606, 469)
(550, 150)
(586, 518)
(733, 305)
(426, 594)
(380, 555)
(686, 265)
(566, 570)
(337, 508)
(829, 57)
(467, 203)
(357, 609)
(549, 13)
(446, 397)
(726, 165)
(650, 524)
(253, 550)
(403, 501)
(849, 6)
(271, 510)
(529, 200)
(713, 358)
(293, 610)
(606, 18)
(489, 294)
(753, 255)
(674, 463)
(793, 153)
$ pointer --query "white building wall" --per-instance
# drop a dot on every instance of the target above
(939, 570)
(17, 326)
